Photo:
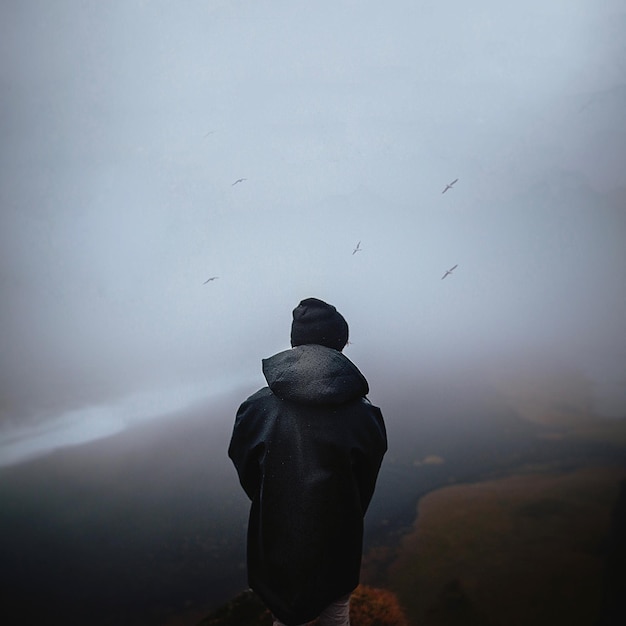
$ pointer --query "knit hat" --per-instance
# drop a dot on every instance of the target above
(316, 322)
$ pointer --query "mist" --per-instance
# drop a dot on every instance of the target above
(124, 126)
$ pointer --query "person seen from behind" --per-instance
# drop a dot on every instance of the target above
(308, 449)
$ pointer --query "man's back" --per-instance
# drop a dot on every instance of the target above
(307, 449)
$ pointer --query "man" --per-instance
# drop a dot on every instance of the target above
(307, 449)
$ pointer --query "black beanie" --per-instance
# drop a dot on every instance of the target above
(314, 321)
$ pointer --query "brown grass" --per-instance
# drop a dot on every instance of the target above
(516, 551)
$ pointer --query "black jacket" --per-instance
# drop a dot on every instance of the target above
(307, 450)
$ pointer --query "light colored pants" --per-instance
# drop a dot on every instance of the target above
(336, 614)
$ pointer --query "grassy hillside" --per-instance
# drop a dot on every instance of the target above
(527, 549)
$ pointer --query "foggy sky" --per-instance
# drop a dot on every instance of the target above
(125, 124)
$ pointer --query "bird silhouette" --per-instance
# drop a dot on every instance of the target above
(239, 180)
(449, 185)
(357, 249)
(208, 280)
(449, 271)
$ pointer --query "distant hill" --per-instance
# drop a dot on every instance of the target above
(148, 527)
(534, 548)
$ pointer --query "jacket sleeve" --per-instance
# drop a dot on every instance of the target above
(368, 456)
(246, 447)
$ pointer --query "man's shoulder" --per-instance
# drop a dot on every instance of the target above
(260, 395)
(366, 405)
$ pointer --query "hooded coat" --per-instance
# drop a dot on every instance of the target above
(307, 449)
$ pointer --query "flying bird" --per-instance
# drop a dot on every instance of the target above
(449, 271)
(357, 249)
(449, 185)
(239, 180)
(208, 280)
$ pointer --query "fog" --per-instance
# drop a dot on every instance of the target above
(124, 126)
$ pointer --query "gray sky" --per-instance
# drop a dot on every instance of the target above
(125, 124)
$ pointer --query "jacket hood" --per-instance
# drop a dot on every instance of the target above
(314, 374)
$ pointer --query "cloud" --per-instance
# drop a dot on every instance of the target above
(90, 423)
(346, 122)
